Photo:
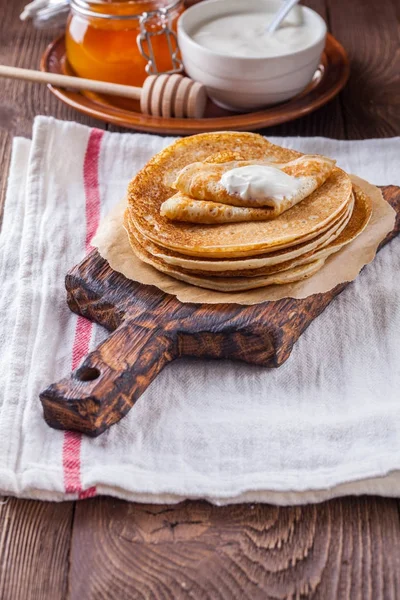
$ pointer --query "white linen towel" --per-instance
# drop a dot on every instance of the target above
(326, 423)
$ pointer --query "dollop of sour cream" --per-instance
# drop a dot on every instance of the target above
(244, 34)
(255, 182)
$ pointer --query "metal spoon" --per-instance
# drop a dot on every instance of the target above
(281, 14)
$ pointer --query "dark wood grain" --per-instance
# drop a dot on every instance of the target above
(357, 555)
(151, 328)
(370, 33)
(244, 552)
(34, 548)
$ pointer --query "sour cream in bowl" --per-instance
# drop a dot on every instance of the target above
(225, 46)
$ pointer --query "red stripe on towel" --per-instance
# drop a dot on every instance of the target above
(83, 332)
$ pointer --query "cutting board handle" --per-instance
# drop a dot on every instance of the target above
(110, 379)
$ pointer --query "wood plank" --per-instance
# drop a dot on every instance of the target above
(34, 548)
(345, 549)
(370, 32)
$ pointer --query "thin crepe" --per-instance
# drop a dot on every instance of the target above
(202, 198)
(233, 284)
(151, 187)
(183, 208)
(215, 265)
(357, 221)
(352, 222)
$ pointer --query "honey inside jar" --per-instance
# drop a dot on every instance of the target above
(101, 38)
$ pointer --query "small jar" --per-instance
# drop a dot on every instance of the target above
(123, 41)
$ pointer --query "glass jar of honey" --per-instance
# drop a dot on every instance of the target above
(123, 41)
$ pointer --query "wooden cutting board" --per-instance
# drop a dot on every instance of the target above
(150, 329)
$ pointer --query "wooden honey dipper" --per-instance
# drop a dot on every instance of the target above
(161, 95)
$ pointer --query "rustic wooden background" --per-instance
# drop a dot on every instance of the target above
(104, 548)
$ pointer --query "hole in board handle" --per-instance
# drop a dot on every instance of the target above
(87, 374)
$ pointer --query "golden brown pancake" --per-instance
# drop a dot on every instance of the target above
(353, 225)
(223, 284)
(322, 251)
(254, 238)
(202, 181)
(287, 272)
(151, 187)
(184, 208)
(241, 284)
(215, 265)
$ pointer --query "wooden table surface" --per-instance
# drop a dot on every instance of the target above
(109, 549)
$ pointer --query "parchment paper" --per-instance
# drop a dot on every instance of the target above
(112, 242)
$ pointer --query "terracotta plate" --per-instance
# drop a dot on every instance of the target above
(328, 80)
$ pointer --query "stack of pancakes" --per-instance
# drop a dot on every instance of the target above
(235, 256)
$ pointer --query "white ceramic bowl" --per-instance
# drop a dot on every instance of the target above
(247, 83)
